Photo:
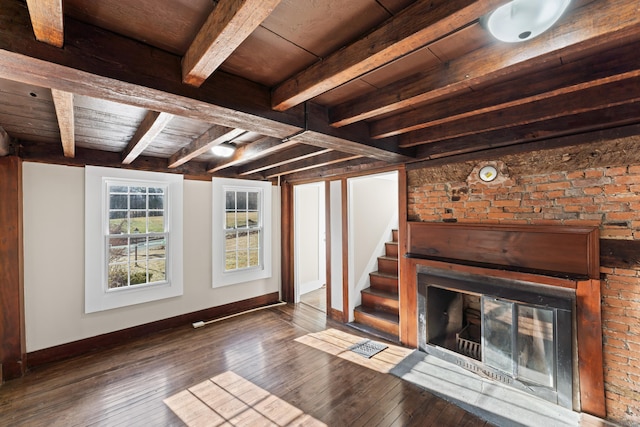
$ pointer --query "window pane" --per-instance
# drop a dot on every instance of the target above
(157, 247)
(242, 201)
(253, 218)
(117, 201)
(243, 259)
(230, 197)
(156, 190)
(118, 189)
(254, 239)
(117, 276)
(118, 250)
(138, 189)
(157, 270)
(241, 220)
(156, 222)
(138, 273)
(254, 258)
(138, 201)
(138, 222)
(230, 261)
(156, 201)
(230, 241)
(138, 250)
(253, 201)
(535, 345)
(118, 222)
(230, 221)
(243, 240)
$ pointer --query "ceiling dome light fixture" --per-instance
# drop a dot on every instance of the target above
(521, 20)
(225, 149)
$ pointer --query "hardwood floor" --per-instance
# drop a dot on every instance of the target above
(254, 369)
(316, 299)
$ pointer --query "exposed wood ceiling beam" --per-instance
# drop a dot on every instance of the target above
(593, 98)
(63, 102)
(418, 25)
(298, 153)
(594, 26)
(606, 67)
(47, 21)
(140, 79)
(228, 25)
(213, 136)
(322, 160)
(579, 123)
(151, 126)
(352, 168)
(564, 141)
(5, 143)
(248, 152)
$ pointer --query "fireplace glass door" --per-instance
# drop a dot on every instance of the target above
(518, 339)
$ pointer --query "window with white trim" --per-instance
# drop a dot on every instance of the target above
(242, 228)
(137, 235)
(133, 237)
(241, 231)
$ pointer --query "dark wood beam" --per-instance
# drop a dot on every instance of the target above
(43, 152)
(295, 154)
(287, 261)
(567, 78)
(12, 326)
(351, 168)
(5, 143)
(151, 126)
(213, 136)
(593, 98)
(63, 102)
(228, 25)
(314, 162)
(615, 253)
(353, 139)
(590, 121)
(545, 144)
(596, 26)
(249, 152)
(418, 25)
(47, 21)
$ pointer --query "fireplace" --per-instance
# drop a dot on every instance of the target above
(517, 304)
(515, 332)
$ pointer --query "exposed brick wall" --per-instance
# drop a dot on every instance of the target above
(607, 196)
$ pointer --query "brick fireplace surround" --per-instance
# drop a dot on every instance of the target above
(561, 186)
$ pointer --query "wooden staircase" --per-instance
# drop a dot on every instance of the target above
(379, 314)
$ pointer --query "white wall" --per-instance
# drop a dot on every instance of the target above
(373, 213)
(309, 241)
(54, 261)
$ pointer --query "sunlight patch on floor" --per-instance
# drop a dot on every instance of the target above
(337, 343)
(230, 400)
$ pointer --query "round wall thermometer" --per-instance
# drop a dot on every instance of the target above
(488, 173)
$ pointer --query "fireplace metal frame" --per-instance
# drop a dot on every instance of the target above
(561, 300)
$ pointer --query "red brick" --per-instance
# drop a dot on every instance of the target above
(621, 216)
(575, 175)
(616, 326)
(593, 173)
(627, 179)
(634, 169)
(615, 171)
(592, 190)
(625, 272)
(553, 186)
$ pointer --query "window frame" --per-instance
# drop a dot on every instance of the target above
(220, 276)
(258, 227)
(98, 295)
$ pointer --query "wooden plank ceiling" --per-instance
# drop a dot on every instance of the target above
(303, 88)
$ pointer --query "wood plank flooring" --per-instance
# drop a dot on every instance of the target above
(253, 369)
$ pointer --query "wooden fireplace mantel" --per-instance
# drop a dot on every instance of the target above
(564, 256)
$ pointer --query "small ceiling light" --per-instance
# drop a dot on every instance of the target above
(521, 20)
(226, 149)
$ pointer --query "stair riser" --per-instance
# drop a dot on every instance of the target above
(380, 303)
(379, 324)
(391, 249)
(388, 266)
(394, 233)
(386, 284)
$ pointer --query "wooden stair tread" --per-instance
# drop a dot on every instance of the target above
(382, 315)
(389, 258)
(381, 294)
(387, 275)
